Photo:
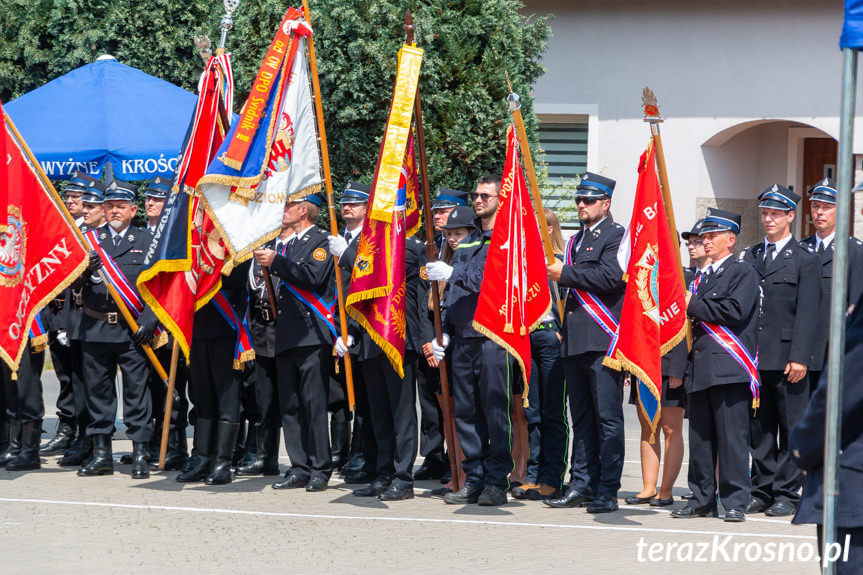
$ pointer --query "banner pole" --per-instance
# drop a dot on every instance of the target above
(169, 404)
(331, 207)
(124, 311)
(536, 196)
(652, 117)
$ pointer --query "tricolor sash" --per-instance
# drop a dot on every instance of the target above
(597, 310)
(38, 335)
(118, 280)
(320, 307)
(730, 343)
(243, 350)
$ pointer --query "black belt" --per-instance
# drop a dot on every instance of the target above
(265, 313)
(111, 317)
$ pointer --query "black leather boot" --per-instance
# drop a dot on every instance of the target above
(61, 441)
(227, 438)
(140, 460)
(340, 434)
(250, 451)
(102, 462)
(240, 444)
(14, 447)
(178, 452)
(205, 436)
(266, 460)
(4, 433)
(28, 457)
(80, 450)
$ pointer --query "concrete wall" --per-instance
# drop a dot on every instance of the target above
(738, 82)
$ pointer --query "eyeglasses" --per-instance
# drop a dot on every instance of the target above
(694, 242)
(484, 197)
(586, 201)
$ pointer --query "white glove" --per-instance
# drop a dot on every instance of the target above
(62, 338)
(338, 245)
(341, 348)
(438, 351)
(438, 271)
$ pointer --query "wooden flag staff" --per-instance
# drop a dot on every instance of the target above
(331, 206)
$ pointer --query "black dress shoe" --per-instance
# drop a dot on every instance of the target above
(657, 502)
(374, 489)
(61, 441)
(603, 504)
(781, 509)
(734, 516)
(358, 478)
(636, 500)
(78, 453)
(430, 471)
(126, 458)
(467, 494)
(316, 484)
(140, 460)
(491, 496)
(572, 498)
(756, 505)
(688, 512)
(354, 464)
(397, 492)
(102, 462)
(291, 481)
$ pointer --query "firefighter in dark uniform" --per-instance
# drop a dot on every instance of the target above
(595, 391)
(482, 387)
(265, 374)
(93, 217)
(435, 459)
(25, 407)
(108, 343)
(790, 276)
(304, 343)
(822, 207)
(391, 398)
(54, 315)
(806, 446)
(718, 386)
(361, 465)
(215, 380)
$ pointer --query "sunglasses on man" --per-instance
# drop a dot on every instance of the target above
(586, 201)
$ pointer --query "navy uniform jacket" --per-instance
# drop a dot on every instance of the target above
(209, 322)
(791, 297)
(463, 287)
(263, 332)
(595, 269)
(129, 257)
(308, 265)
(418, 328)
(855, 286)
(728, 297)
(806, 442)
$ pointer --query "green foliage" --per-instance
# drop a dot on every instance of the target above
(468, 44)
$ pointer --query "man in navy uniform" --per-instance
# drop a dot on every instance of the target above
(806, 446)
(305, 332)
(361, 463)
(789, 274)
(595, 286)
(822, 208)
(108, 343)
(482, 388)
(154, 201)
(721, 373)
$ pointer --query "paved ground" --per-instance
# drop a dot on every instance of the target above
(52, 520)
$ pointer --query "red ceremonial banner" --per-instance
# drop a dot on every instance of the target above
(514, 295)
(653, 318)
(40, 254)
(4, 178)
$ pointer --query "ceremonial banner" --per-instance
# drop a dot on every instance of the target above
(4, 179)
(514, 295)
(377, 293)
(653, 318)
(271, 154)
(182, 268)
(40, 255)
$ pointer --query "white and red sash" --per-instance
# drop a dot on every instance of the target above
(592, 304)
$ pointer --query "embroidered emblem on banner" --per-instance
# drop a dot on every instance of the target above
(12, 248)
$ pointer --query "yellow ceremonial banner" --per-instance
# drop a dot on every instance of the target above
(396, 135)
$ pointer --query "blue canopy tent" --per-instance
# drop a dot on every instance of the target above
(105, 112)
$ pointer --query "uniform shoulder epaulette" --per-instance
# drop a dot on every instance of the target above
(742, 254)
(806, 247)
(858, 242)
(616, 226)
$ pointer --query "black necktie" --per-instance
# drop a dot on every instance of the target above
(821, 247)
(279, 247)
(770, 253)
(117, 239)
(348, 237)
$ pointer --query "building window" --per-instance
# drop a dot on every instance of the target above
(563, 139)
